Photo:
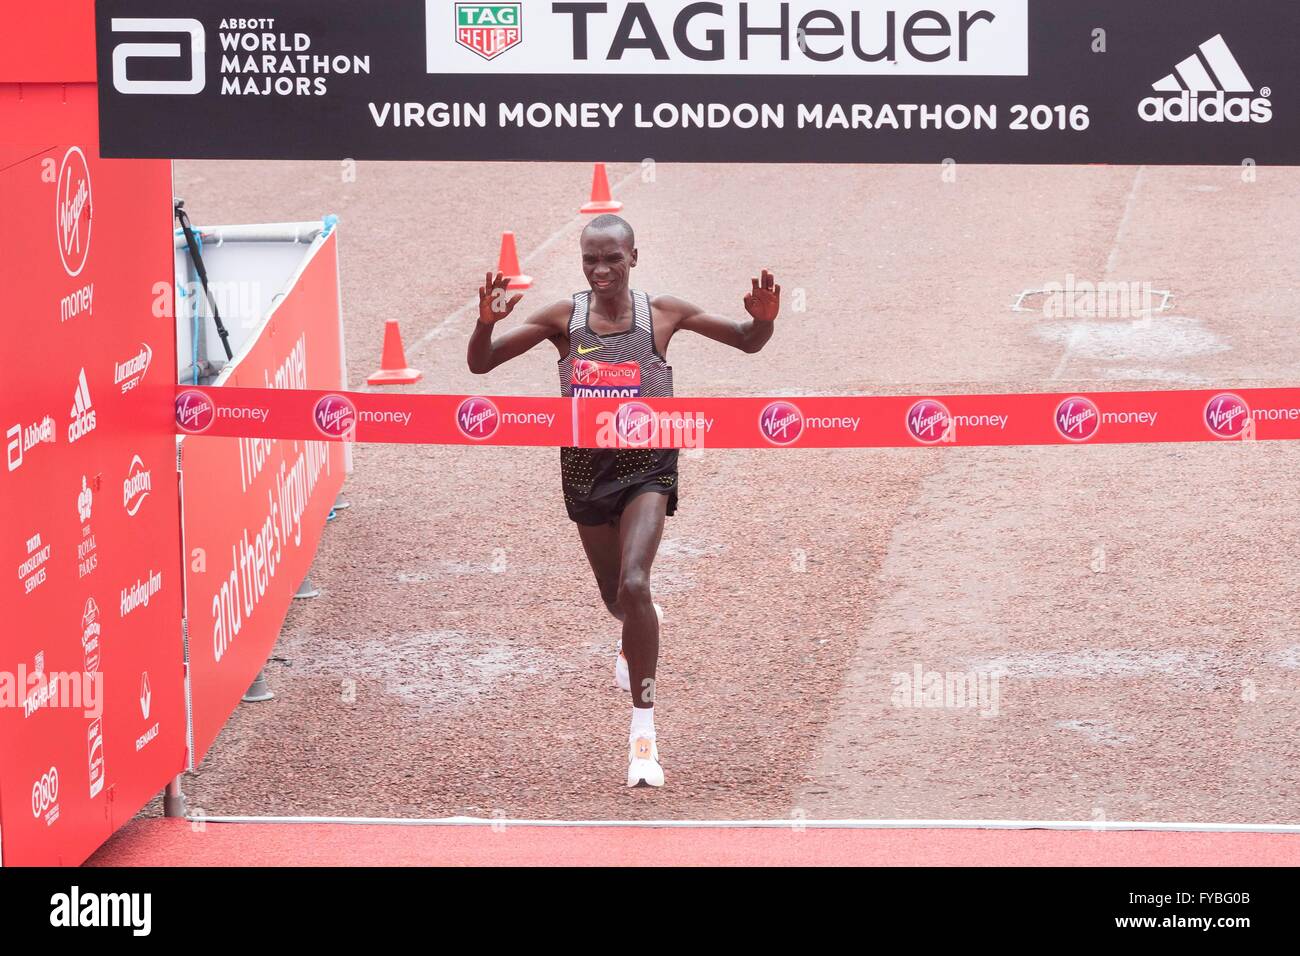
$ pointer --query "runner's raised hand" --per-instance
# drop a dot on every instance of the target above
(764, 300)
(493, 306)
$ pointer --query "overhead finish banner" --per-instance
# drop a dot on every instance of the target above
(840, 81)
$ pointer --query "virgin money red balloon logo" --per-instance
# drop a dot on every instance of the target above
(195, 412)
(335, 416)
(781, 423)
(1226, 415)
(928, 421)
(1076, 418)
(478, 418)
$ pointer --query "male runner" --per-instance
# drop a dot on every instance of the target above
(613, 340)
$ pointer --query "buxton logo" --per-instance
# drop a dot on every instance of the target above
(1197, 91)
(781, 423)
(195, 412)
(636, 423)
(1076, 418)
(1226, 415)
(929, 422)
(136, 487)
(489, 29)
(72, 211)
(335, 416)
(478, 418)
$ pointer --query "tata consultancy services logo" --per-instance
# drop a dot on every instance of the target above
(489, 29)
(72, 211)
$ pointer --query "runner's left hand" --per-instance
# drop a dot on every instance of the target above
(764, 301)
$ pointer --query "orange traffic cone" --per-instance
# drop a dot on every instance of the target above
(393, 370)
(508, 263)
(601, 201)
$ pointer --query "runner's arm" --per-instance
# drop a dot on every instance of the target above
(483, 354)
(762, 303)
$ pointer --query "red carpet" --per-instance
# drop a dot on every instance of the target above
(177, 843)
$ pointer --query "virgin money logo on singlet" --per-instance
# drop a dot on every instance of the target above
(194, 412)
(928, 421)
(781, 423)
(593, 379)
(478, 418)
(1077, 419)
(636, 424)
(335, 416)
(1226, 415)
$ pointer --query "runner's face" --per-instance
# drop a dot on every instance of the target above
(607, 262)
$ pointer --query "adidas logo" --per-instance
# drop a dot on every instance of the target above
(83, 415)
(1197, 91)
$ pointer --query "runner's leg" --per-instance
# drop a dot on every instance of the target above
(604, 552)
(640, 528)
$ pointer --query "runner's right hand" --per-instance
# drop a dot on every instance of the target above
(493, 306)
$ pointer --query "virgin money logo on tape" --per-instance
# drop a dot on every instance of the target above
(335, 416)
(1227, 415)
(72, 211)
(635, 424)
(1201, 90)
(929, 422)
(195, 412)
(781, 423)
(488, 29)
(136, 487)
(478, 418)
(808, 37)
(1076, 418)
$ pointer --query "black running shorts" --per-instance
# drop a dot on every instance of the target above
(598, 483)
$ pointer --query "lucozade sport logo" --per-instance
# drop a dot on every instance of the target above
(1197, 91)
(72, 211)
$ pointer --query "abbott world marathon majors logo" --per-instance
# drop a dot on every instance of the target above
(1207, 87)
(478, 418)
(808, 37)
(1227, 416)
(929, 422)
(1077, 418)
(335, 417)
(195, 412)
(72, 211)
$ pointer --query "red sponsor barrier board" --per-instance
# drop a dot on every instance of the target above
(92, 712)
(854, 421)
(255, 507)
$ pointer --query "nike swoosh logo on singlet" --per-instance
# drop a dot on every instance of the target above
(594, 348)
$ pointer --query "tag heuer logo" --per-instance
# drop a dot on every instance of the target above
(488, 29)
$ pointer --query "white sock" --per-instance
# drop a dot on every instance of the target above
(643, 722)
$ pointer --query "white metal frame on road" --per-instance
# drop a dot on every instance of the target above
(791, 824)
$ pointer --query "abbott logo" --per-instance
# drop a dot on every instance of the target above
(1197, 91)
(170, 51)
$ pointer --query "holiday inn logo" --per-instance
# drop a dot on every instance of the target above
(489, 29)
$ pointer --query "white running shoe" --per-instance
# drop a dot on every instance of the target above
(621, 677)
(643, 768)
